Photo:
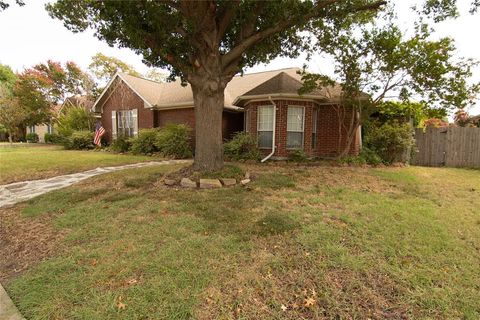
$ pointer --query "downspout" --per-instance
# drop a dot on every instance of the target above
(274, 126)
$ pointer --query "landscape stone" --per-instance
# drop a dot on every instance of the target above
(244, 182)
(210, 183)
(187, 183)
(228, 182)
(170, 182)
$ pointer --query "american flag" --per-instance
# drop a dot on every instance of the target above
(99, 132)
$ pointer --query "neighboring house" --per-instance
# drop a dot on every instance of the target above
(84, 101)
(307, 122)
(74, 101)
(41, 129)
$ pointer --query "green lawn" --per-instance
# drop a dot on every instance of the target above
(27, 162)
(298, 243)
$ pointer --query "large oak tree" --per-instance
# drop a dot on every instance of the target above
(207, 42)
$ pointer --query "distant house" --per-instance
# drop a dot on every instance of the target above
(48, 127)
(82, 101)
(301, 122)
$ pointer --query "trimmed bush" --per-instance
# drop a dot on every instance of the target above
(389, 140)
(144, 143)
(174, 141)
(243, 146)
(52, 138)
(79, 140)
(297, 156)
(32, 137)
(121, 144)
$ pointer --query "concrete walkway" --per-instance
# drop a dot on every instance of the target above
(13, 193)
(8, 311)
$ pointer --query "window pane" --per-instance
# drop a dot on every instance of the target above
(314, 121)
(295, 119)
(294, 140)
(265, 139)
(265, 118)
(314, 140)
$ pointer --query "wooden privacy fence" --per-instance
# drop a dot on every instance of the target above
(450, 147)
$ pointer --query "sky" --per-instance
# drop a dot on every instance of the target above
(28, 35)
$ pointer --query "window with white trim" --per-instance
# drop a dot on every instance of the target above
(32, 129)
(295, 124)
(49, 128)
(265, 126)
(314, 128)
(125, 123)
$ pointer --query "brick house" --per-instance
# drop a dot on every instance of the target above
(307, 122)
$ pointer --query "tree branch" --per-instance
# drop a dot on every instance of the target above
(247, 43)
(225, 17)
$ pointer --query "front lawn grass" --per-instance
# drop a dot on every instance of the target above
(297, 243)
(23, 162)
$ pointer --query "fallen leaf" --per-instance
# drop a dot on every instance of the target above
(94, 262)
(309, 302)
(132, 281)
(284, 308)
(120, 304)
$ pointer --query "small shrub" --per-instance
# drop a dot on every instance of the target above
(297, 156)
(32, 137)
(52, 138)
(370, 156)
(75, 119)
(121, 144)
(79, 140)
(353, 160)
(389, 140)
(366, 156)
(243, 146)
(174, 141)
(144, 143)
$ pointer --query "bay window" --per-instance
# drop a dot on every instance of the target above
(295, 124)
(265, 126)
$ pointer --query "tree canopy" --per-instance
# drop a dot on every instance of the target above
(104, 67)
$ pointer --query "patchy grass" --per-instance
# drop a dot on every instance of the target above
(28, 162)
(303, 243)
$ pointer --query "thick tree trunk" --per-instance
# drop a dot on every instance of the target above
(209, 103)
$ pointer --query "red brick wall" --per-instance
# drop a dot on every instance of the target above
(327, 128)
(125, 99)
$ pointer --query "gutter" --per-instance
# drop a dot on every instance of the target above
(273, 133)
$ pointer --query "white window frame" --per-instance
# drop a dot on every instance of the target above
(258, 125)
(303, 129)
(314, 128)
(129, 116)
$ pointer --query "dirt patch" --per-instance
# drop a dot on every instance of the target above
(24, 242)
